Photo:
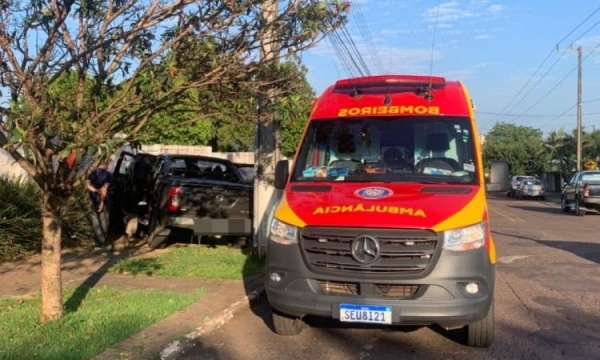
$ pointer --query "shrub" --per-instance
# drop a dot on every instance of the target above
(20, 218)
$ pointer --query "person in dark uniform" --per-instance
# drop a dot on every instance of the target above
(97, 185)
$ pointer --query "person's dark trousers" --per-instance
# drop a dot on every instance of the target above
(100, 222)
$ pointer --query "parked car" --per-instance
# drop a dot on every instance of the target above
(197, 195)
(530, 188)
(514, 184)
(582, 192)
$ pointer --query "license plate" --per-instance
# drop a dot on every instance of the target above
(374, 314)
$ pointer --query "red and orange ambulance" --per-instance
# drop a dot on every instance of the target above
(384, 217)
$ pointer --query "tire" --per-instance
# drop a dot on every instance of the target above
(563, 205)
(286, 325)
(578, 210)
(157, 235)
(481, 333)
(543, 198)
(157, 238)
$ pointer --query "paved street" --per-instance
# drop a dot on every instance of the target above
(547, 303)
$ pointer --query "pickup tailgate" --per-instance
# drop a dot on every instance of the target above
(593, 189)
(210, 208)
(215, 200)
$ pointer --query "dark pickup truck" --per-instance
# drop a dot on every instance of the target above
(186, 195)
(582, 192)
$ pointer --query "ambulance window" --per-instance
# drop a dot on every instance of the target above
(432, 149)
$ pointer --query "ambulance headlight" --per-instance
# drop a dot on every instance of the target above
(283, 233)
(467, 238)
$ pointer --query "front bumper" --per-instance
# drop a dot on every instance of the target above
(441, 297)
(533, 193)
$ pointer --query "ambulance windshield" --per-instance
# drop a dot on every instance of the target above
(391, 149)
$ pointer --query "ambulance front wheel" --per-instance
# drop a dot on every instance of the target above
(286, 325)
(481, 333)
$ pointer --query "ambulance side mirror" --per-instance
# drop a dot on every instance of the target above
(282, 174)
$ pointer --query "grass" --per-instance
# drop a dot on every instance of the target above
(194, 262)
(103, 317)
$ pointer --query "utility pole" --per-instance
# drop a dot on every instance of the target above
(266, 152)
(579, 95)
(579, 145)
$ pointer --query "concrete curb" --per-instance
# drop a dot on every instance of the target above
(179, 347)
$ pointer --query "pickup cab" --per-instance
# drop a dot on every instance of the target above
(582, 192)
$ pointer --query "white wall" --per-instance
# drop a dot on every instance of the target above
(236, 157)
(8, 166)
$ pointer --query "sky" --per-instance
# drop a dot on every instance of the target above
(517, 58)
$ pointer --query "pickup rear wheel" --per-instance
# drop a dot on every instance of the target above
(286, 325)
(481, 333)
(579, 211)
(157, 239)
(563, 205)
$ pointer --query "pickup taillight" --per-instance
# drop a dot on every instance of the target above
(173, 198)
(586, 190)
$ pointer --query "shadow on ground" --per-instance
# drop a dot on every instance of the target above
(585, 250)
(79, 295)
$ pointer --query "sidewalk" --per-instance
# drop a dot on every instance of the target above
(84, 267)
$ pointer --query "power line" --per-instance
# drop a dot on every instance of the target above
(542, 64)
(515, 115)
(536, 115)
(337, 70)
(536, 84)
(586, 32)
(342, 54)
(560, 82)
(358, 54)
(366, 35)
(348, 53)
(437, 12)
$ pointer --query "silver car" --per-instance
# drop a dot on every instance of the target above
(515, 182)
(532, 188)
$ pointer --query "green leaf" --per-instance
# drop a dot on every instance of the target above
(64, 153)
(16, 135)
(92, 150)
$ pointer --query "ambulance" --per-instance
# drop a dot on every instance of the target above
(384, 218)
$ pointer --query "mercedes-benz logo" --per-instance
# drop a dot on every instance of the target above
(219, 198)
(365, 249)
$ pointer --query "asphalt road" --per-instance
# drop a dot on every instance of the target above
(547, 303)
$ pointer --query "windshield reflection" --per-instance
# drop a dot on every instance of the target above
(392, 149)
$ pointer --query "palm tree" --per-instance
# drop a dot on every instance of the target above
(555, 141)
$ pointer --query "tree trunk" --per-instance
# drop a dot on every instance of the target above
(51, 285)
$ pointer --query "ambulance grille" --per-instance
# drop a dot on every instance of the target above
(396, 291)
(401, 251)
(338, 287)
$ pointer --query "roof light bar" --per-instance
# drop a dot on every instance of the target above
(392, 80)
